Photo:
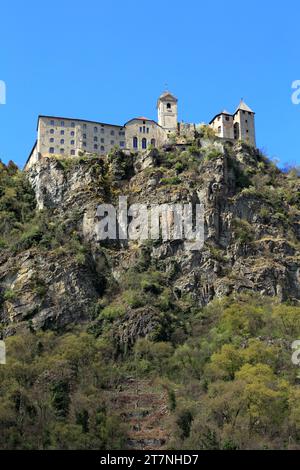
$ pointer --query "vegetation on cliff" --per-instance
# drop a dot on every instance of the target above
(210, 333)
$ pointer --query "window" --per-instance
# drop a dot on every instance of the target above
(121, 133)
(227, 118)
(153, 142)
(95, 129)
(84, 136)
(96, 139)
(246, 120)
(62, 151)
(102, 148)
(51, 140)
(141, 129)
(62, 123)
(112, 142)
(244, 112)
(84, 144)
(51, 131)
(72, 152)
(144, 143)
(102, 141)
(72, 133)
(219, 130)
(122, 144)
(135, 142)
(52, 123)
(147, 130)
(95, 146)
(51, 150)
(144, 129)
(112, 132)
(102, 130)
(72, 124)
(84, 126)
(62, 132)
(72, 142)
(168, 105)
(62, 141)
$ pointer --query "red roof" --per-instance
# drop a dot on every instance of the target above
(144, 119)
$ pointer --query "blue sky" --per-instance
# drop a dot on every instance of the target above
(109, 61)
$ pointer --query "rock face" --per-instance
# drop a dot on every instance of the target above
(252, 234)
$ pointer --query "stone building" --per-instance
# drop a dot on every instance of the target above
(237, 126)
(167, 112)
(142, 132)
(58, 136)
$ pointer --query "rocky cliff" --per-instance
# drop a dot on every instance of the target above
(57, 274)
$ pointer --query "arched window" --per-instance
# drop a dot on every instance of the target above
(168, 105)
(51, 150)
(135, 142)
(153, 142)
(144, 143)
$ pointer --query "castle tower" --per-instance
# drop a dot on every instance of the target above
(167, 111)
(243, 124)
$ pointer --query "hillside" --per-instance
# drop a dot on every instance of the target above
(136, 344)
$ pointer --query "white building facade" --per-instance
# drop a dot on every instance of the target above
(66, 137)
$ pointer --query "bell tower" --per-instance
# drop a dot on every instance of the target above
(167, 111)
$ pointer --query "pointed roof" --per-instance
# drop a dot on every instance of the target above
(167, 95)
(225, 112)
(243, 107)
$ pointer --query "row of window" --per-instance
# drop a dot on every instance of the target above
(62, 150)
(144, 129)
(62, 124)
(135, 143)
(96, 147)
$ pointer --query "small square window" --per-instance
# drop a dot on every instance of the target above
(51, 150)
(51, 131)
(84, 144)
(72, 142)
(122, 144)
(52, 123)
(95, 146)
(62, 132)
(102, 148)
(62, 123)
(62, 141)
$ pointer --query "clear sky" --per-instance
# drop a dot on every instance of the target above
(109, 60)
